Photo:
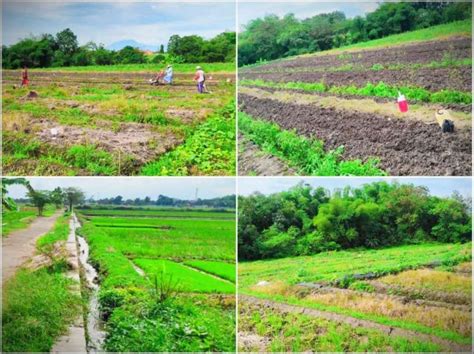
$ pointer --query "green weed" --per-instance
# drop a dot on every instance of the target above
(306, 155)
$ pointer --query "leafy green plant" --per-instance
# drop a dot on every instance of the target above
(306, 155)
(379, 90)
(210, 149)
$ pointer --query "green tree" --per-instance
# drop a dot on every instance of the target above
(39, 199)
(73, 196)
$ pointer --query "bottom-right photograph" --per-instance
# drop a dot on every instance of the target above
(354, 264)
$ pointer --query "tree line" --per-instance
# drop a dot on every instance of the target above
(57, 195)
(272, 37)
(306, 220)
(63, 49)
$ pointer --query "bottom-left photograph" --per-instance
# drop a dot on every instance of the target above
(118, 264)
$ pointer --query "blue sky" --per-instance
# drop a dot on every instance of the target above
(150, 23)
(441, 186)
(105, 187)
(249, 10)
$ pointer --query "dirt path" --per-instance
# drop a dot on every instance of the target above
(355, 322)
(21, 244)
(252, 160)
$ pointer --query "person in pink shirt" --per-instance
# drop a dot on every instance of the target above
(200, 78)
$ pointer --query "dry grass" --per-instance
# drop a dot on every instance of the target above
(465, 267)
(16, 122)
(447, 319)
(432, 280)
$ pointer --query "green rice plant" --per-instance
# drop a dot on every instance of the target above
(306, 155)
(221, 269)
(187, 279)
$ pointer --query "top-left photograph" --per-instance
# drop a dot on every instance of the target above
(118, 89)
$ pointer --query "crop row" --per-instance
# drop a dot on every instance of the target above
(304, 154)
(379, 90)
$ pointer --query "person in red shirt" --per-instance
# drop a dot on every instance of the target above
(24, 77)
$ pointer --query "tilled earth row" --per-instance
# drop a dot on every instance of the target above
(466, 108)
(430, 79)
(424, 52)
(404, 147)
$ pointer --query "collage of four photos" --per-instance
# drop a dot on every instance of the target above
(236, 176)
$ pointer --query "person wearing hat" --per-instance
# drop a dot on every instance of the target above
(200, 78)
(168, 79)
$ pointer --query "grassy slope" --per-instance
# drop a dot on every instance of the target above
(38, 305)
(337, 266)
(178, 68)
(444, 31)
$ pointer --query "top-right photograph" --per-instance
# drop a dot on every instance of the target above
(365, 89)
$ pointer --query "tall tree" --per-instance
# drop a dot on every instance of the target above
(73, 196)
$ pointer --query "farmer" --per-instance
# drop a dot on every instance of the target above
(24, 77)
(200, 78)
(168, 79)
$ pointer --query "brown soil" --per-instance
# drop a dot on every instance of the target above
(20, 245)
(252, 161)
(391, 331)
(132, 139)
(421, 52)
(429, 79)
(423, 112)
(404, 147)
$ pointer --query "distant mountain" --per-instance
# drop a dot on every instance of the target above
(130, 42)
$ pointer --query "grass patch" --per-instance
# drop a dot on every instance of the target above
(305, 155)
(371, 90)
(221, 269)
(185, 324)
(187, 279)
(60, 232)
(20, 219)
(37, 308)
